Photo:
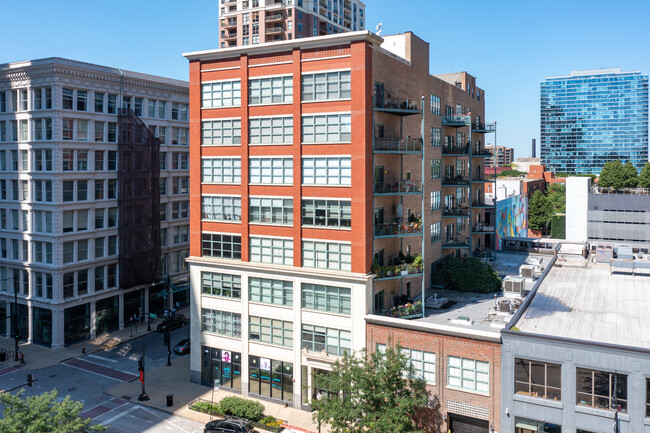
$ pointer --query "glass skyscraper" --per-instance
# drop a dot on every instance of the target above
(594, 116)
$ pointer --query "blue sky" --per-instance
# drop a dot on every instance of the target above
(510, 46)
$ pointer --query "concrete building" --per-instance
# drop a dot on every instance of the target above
(74, 216)
(251, 22)
(591, 117)
(511, 186)
(501, 156)
(523, 164)
(576, 356)
(313, 152)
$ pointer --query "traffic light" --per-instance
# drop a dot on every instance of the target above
(141, 364)
(30, 380)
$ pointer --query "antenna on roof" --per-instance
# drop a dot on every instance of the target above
(378, 29)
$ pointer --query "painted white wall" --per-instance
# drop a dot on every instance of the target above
(577, 192)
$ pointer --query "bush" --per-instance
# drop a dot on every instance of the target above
(271, 421)
(242, 408)
(558, 227)
(468, 275)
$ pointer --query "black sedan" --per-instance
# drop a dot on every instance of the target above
(183, 347)
(229, 425)
(174, 322)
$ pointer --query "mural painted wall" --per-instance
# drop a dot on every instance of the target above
(512, 218)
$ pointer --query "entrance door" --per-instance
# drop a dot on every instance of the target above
(465, 424)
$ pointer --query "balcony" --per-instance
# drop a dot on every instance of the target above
(227, 2)
(455, 242)
(481, 153)
(274, 30)
(486, 202)
(404, 270)
(398, 145)
(455, 150)
(460, 211)
(483, 128)
(483, 178)
(274, 17)
(227, 36)
(399, 107)
(397, 230)
(481, 228)
(403, 187)
(455, 181)
(228, 24)
(455, 121)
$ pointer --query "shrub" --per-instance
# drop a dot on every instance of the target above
(271, 421)
(558, 227)
(468, 275)
(242, 408)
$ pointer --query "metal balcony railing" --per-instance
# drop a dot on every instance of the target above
(455, 211)
(403, 270)
(455, 242)
(483, 127)
(484, 178)
(232, 35)
(454, 120)
(455, 150)
(455, 180)
(397, 229)
(275, 17)
(228, 23)
(401, 187)
(274, 30)
(387, 144)
(484, 202)
(480, 228)
(396, 104)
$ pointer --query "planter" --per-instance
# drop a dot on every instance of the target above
(405, 272)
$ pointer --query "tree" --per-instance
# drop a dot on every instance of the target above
(540, 211)
(644, 177)
(611, 176)
(511, 173)
(630, 175)
(375, 392)
(556, 193)
(43, 414)
(468, 274)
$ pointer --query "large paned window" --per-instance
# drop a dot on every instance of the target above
(436, 137)
(435, 105)
(269, 291)
(435, 232)
(221, 208)
(272, 171)
(221, 170)
(601, 389)
(326, 128)
(271, 90)
(523, 425)
(270, 331)
(271, 250)
(221, 94)
(221, 322)
(330, 171)
(435, 200)
(435, 169)
(223, 285)
(468, 374)
(326, 213)
(271, 130)
(318, 338)
(224, 132)
(538, 379)
(222, 246)
(326, 86)
(271, 210)
(327, 255)
(270, 378)
(330, 299)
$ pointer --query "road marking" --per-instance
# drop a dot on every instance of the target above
(94, 372)
(130, 373)
(101, 357)
(168, 422)
(121, 414)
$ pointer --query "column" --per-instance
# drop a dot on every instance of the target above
(120, 309)
(93, 320)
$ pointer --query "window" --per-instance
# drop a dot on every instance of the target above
(329, 299)
(82, 160)
(330, 128)
(221, 246)
(270, 331)
(599, 389)
(436, 140)
(137, 106)
(273, 90)
(318, 338)
(326, 86)
(99, 102)
(224, 132)
(523, 425)
(330, 171)
(24, 130)
(327, 255)
(221, 94)
(68, 285)
(271, 250)
(435, 169)
(538, 379)
(269, 291)
(270, 210)
(435, 200)
(180, 210)
(221, 208)
(271, 130)
(67, 98)
(82, 100)
(221, 170)
(223, 285)
(112, 132)
(111, 276)
(468, 374)
(68, 128)
(181, 234)
(276, 171)
(42, 221)
(112, 245)
(327, 213)
(99, 248)
(68, 252)
(112, 217)
(435, 105)
(221, 322)
(180, 185)
(435, 232)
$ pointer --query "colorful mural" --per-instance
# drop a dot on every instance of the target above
(512, 218)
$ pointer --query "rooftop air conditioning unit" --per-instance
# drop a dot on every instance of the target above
(514, 286)
(504, 306)
(527, 271)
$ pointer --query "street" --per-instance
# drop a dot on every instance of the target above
(85, 379)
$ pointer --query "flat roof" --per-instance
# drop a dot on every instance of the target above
(581, 300)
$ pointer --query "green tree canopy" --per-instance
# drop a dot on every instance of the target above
(43, 414)
(644, 177)
(468, 274)
(630, 175)
(556, 193)
(540, 211)
(618, 176)
(375, 392)
(511, 173)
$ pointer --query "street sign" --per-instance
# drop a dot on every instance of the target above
(153, 316)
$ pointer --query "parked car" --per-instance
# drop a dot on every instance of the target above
(182, 347)
(229, 425)
(174, 322)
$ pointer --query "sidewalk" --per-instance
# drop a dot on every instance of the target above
(176, 380)
(37, 357)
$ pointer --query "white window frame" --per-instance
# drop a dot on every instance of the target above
(231, 176)
(218, 94)
(266, 249)
(332, 171)
(327, 128)
(221, 132)
(276, 170)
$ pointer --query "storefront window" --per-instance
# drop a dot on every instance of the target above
(42, 326)
(77, 323)
(107, 317)
(222, 367)
(523, 425)
(271, 378)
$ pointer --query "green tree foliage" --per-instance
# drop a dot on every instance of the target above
(644, 177)
(556, 193)
(43, 414)
(375, 392)
(468, 274)
(540, 211)
(558, 227)
(511, 173)
(618, 176)
(630, 175)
